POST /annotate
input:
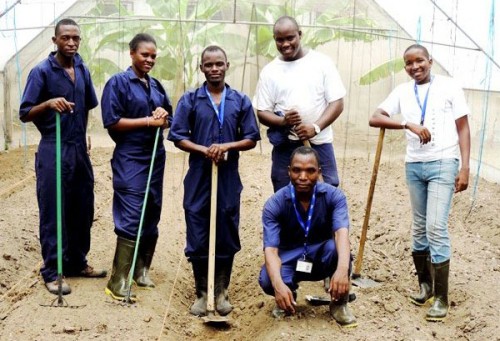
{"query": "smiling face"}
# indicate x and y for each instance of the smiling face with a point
(214, 65)
(143, 58)
(67, 40)
(304, 172)
(287, 38)
(418, 65)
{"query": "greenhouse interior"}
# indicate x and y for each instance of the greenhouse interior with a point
(366, 40)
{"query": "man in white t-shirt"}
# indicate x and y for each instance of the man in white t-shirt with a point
(299, 95)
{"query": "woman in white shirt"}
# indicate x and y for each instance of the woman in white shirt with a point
(435, 120)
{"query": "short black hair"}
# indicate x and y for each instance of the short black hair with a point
(419, 47)
(303, 150)
(286, 18)
(140, 38)
(212, 48)
(66, 21)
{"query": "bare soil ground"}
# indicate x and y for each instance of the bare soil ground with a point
(383, 313)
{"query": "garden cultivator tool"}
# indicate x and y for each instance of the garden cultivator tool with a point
(59, 301)
(128, 299)
(357, 280)
(211, 318)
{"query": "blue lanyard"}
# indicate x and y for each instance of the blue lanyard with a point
(307, 225)
(220, 113)
(423, 108)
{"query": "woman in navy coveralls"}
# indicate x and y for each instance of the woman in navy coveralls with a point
(134, 105)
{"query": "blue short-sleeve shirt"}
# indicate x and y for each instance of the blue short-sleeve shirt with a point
(125, 96)
(48, 80)
(195, 120)
(282, 229)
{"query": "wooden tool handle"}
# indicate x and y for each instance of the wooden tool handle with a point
(364, 230)
(211, 244)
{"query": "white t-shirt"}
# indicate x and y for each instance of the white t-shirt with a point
(307, 84)
(445, 104)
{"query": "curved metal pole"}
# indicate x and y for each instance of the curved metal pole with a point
(141, 222)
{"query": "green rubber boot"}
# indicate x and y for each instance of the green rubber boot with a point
(144, 259)
(422, 262)
(117, 286)
(341, 313)
(223, 270)
(439, 309)
(200, 269)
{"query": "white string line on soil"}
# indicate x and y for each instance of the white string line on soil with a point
(29, 274)
(167, 309)
(17, 184)
(37, 266)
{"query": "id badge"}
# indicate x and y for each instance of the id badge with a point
(304, 266)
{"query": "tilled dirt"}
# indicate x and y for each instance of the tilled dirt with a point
(383, 313)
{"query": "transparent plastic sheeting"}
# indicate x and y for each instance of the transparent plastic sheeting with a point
(365, 38)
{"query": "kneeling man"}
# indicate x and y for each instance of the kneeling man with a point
(306, 238)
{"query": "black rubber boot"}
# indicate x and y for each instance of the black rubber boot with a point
(144, 259)
(422, 262)
(439, 308)
(341, 313)
(200, 269)
(117, 286)
(223, 270)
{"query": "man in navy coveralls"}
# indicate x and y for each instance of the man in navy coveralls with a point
(61, 83)
(213, 123)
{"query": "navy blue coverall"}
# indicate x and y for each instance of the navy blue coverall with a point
(46, 81)
(282, 230)
(196, 120)
(126, 96)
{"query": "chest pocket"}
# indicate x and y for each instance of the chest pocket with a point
(156, 97)
(59, 85)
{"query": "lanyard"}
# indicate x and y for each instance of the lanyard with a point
(307, 225)
(423, 108)
(220, 113)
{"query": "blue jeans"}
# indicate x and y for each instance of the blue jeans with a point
(431, 186)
